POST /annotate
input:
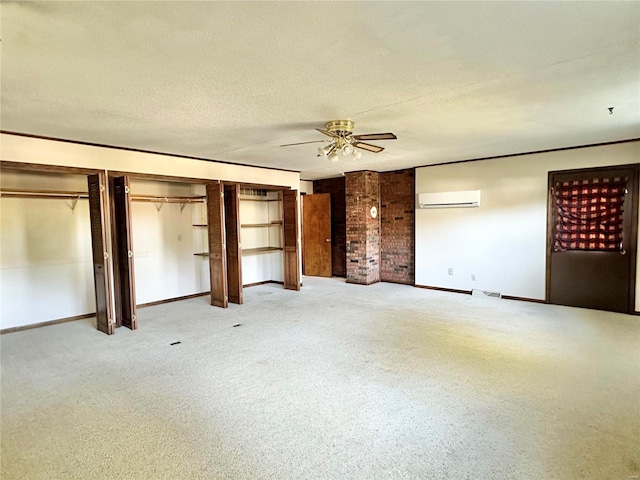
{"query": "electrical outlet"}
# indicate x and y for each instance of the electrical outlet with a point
(473, 277)
(451, 271)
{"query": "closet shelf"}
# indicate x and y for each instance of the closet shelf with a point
(259, 199)
(248, 251)
(256, 251)
(269, 224)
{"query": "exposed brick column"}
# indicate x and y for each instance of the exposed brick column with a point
(363, 231)
(397, 199)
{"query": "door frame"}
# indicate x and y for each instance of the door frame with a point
(631, 247)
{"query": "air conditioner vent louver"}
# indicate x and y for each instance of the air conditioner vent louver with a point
(461, 199)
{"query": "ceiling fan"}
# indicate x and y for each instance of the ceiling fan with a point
(343, 141)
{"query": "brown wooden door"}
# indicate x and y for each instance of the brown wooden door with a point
(291, 239)
(101, 252)
(577, 275)
(124, 277)
(234, 245)
(316, 226)
(217, 247)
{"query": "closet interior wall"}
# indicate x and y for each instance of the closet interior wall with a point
(46, 268)
(169, 240)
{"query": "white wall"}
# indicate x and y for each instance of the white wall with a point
(46, 270)
(502, 243)
(306, 187)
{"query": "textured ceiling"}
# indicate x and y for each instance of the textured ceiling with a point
(233, 80)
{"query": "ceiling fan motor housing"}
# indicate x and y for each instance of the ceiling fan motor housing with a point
(344, 128)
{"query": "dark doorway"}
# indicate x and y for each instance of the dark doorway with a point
(592, 238)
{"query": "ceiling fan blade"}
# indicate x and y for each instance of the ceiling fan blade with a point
(376, 136)
(302, 143)
(368, 147)
(327, 133)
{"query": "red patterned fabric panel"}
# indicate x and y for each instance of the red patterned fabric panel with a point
(590, 214)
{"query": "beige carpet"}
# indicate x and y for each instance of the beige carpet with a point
(337, 381)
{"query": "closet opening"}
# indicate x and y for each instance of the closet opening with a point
(160, 239)
(55, 256)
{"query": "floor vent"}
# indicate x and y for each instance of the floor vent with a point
(485, 293)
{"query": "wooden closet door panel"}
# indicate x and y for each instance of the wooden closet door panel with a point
(217, 247)
(291, 239)
(125, 291)
(234, 244)
(101, 251)
(316, 234)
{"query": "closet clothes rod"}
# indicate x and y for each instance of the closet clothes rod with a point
(46, 194)
(159, 201)
(167, 198)
(70, 195)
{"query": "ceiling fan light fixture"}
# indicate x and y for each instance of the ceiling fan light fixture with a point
(347, 149)
(357, 153)
(324, 151)
(333, 157)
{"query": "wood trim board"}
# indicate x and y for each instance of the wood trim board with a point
(174, 299)
(39, 167)
(47, 323)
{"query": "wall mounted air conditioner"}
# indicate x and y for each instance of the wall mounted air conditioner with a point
(466, 198)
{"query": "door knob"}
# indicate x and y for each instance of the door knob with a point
(327, 239)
